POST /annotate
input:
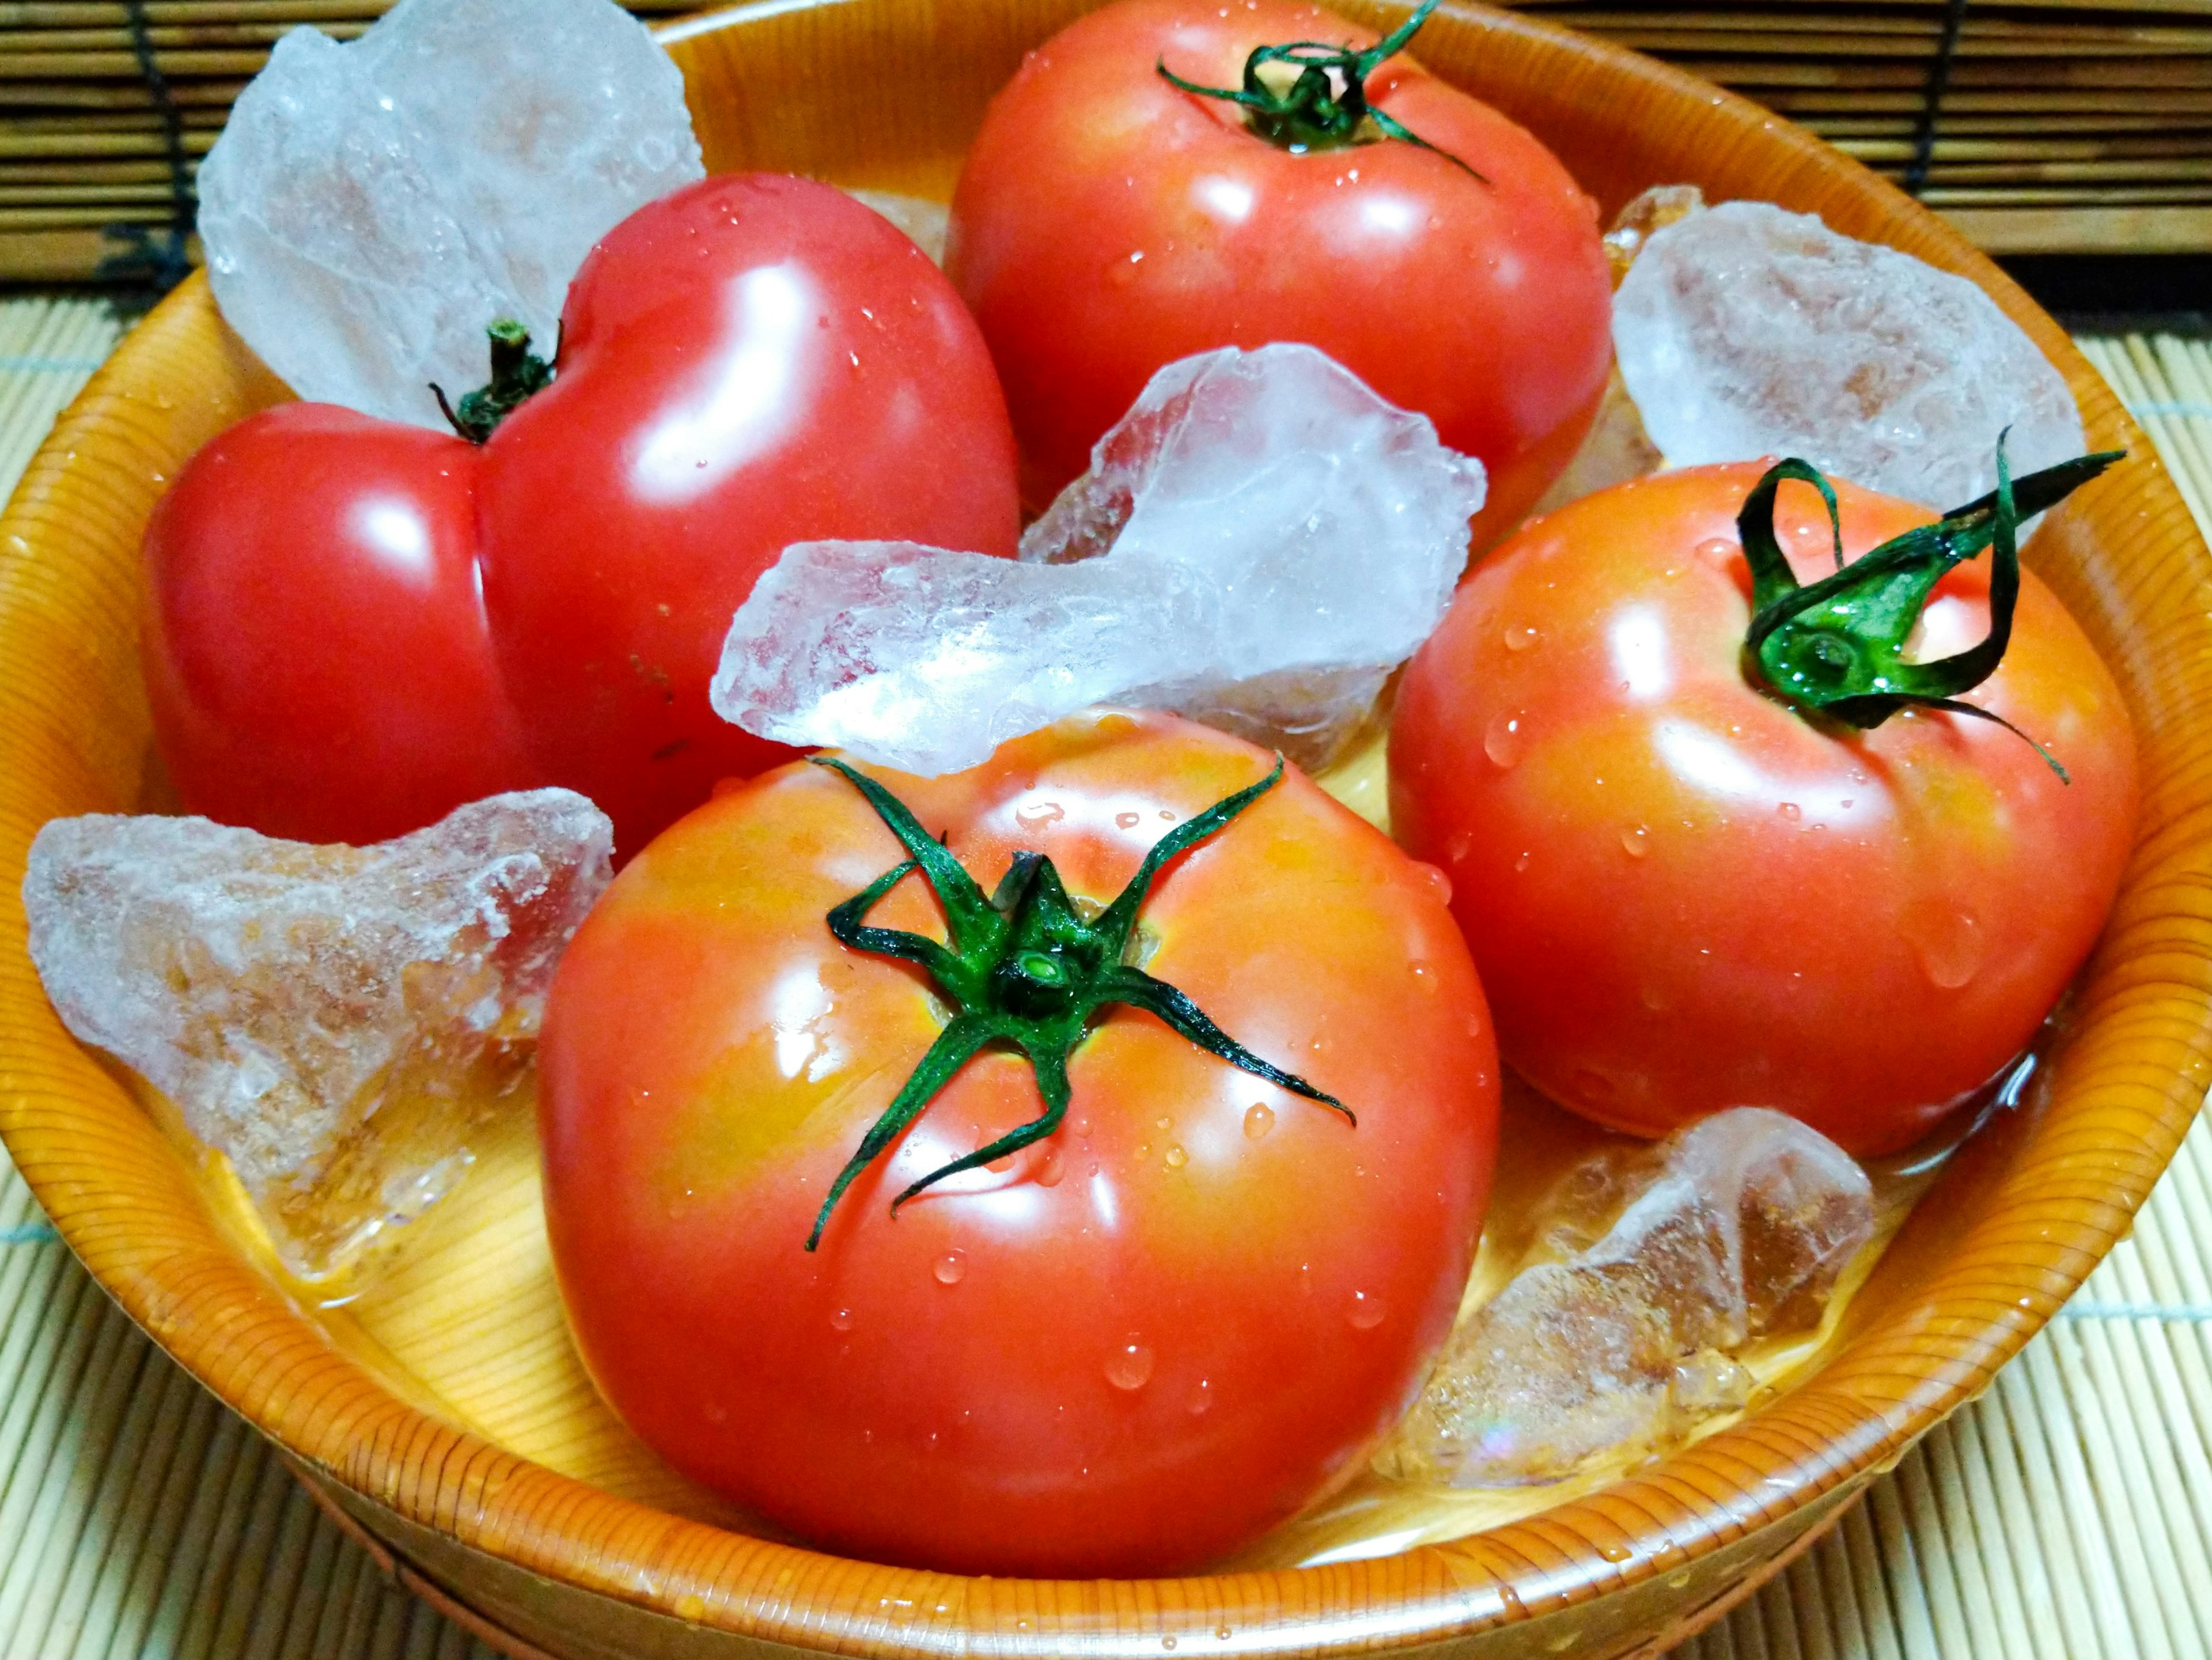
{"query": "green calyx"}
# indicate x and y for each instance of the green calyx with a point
(1837, 646)
(516, 373)
(1025, 969)
(1321, 104)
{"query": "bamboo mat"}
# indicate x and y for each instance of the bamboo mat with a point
(2065, 1515)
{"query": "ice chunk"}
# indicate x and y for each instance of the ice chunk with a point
(371, 207)
(1258, 542)
(1745, 330)
(1653, 211)
(1655, 1268)
(335, 1020)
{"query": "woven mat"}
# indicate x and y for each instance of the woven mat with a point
(2065, 1515)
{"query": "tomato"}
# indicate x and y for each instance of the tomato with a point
(355, 626)
(314, 642)
(747, 363)
(1107, 223)
(1683, 893)
(1128, 1347)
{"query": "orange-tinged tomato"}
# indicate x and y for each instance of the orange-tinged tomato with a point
(1684, 894)
(1128, 1347)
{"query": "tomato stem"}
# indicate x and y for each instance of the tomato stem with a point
(516, 373)
(1023, 969)
(1837, 646)
(1324, 104)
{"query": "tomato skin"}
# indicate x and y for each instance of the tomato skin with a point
(314, 642)
(746, 363)
(935, 1387)
(1683, 894)
(1107, 224)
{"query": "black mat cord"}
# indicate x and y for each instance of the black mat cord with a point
(1931, 104)
(158, 255)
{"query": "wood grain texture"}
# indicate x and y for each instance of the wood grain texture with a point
(887, 92)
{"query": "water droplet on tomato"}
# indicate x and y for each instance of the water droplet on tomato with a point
(1127, 820)
(950, 1268)
(1519, 638)
(1366, 1311)
(1503, 738)
(1948, 939)
(1129, 1363)
(1039, 814)
(1168, 813)
(1259, 1119)
(1050, 1168)
(1201, 1398)
(1636, 840)
(842, 1320)
(1080, 1124)
(1425, 978)
(1520, 863)
(1717, 550)
(1177, 1157)
(1592, 1088)
(1790, 811)
(1439, 884)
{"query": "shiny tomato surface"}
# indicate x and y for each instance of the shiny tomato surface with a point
(1683, 894)
(354, 626)
(314, 642)
(747, 363)
(1107, 223)
(1135, 1344)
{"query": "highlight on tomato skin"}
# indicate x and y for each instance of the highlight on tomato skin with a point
(1685, 894)
(1107, 221)
(1136, 1344)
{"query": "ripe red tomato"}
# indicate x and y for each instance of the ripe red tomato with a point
(314, 640)
(1107, 223)
(354, 626)
(1685, 895)
(1129, 1346)
(747, 363)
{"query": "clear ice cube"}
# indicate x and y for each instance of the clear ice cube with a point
(1653, 1269)
(1259, 542)
(336, 1021)
(1744, 331)
(371, 207)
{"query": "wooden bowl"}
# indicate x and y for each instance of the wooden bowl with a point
(517, 1508)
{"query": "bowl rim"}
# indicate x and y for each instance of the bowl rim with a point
(141, 1234)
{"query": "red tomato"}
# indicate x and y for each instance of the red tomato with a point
(1683, 894)
(1134, 1344)
(747, 363)
(314, 640)
(355, 626)
(1107, 223)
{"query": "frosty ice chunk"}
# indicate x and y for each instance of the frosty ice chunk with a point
(1258, 542)
(1744, 331)
(1655, 1268)
(371, 207)
(335, 1020)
